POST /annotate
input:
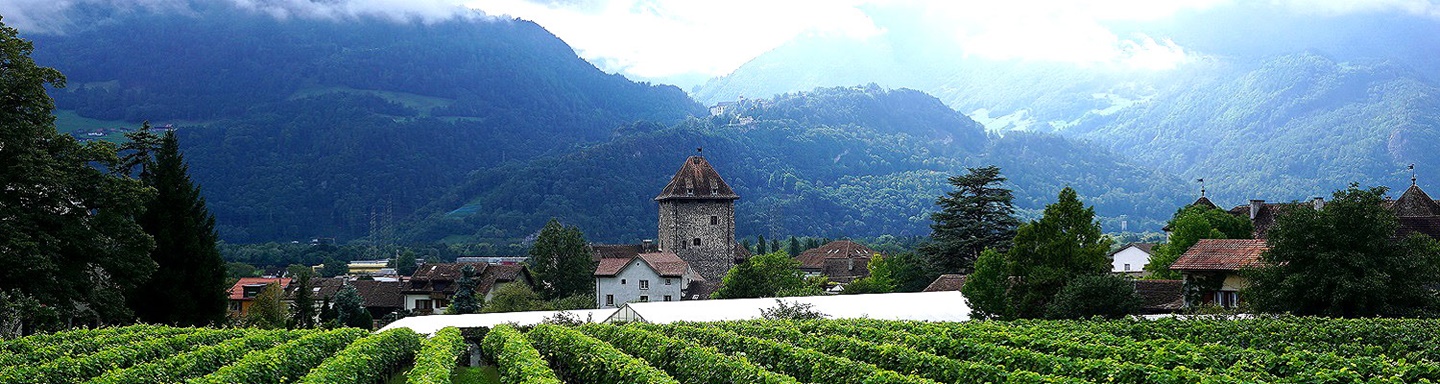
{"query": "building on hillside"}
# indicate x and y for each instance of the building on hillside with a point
(368, 267)
(432, 288)
(947, 282)
(649, 276)
(842, 261)
(1131, 259)
(242, 294)
(1212, 269)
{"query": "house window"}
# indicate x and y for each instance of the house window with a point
(644, 284)
(667, 298)
(609, 300)
(697, 241)
(235, 306)
(423, 304)
(644, 299)
(1127, 267)
(714, 220)
(1227, 299)
(689, 191)
(667, 281)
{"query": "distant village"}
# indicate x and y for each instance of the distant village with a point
(695, 246)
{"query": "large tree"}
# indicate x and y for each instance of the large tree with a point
(302, 308)
(191, 291)
(774, 274)
(1346, 260)
(1047, 255)
(68, 236)
(1189, 225)
(977, 215)
(268, 309)
(561, 262)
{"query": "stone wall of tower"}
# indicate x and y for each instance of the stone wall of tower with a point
(711, 222)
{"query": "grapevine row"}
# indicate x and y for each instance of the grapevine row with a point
(371, 359)
(198, 362)
(803, 364)
(286, 362)
(581, 356)
(437, 357)
(518, 361)
(684, 361)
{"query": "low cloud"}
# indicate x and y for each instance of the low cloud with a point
(56, 16)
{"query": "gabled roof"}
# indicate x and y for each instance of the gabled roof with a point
(499, 274)
(947, 282)
(1204, 202)
(237, 291)
(665, 264)
(1414, 202)
(441, 277)
(1148, 248)
(1221, 255)
(815, 258)
(1265, 217)
(696, 179)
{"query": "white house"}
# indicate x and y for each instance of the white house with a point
(1131, 259)
(653, 276)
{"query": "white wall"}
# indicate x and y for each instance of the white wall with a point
(1130, 255)
(630, 290)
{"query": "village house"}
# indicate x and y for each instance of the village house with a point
(242, 293)
(1211, 269)
(432, 287)
(1131, 259)
(842, 261)
(380, 298)
(650, 276)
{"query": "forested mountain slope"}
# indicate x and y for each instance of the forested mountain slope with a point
(311, 127)
(850, 161)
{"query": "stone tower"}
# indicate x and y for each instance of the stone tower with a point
(697, 219)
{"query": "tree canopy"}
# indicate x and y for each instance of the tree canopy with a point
(773, 274)
(977, 215)
(561, 262)
(1346, 260)
(68, 236)
(1047, 255)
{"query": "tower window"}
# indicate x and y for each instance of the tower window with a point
(697, 241)
(690, 191)
(714, 220)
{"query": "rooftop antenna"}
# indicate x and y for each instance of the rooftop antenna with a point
(1412, 174)
(1202, 186)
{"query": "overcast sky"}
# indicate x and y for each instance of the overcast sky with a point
(674, 39)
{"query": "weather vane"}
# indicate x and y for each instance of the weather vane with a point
(698, 149)
(1412, 174)
(1202, 186)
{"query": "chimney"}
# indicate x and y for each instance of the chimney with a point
(647, 245)
(1255, 207)
(1317, 202)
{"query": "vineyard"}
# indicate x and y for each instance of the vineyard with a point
(1282, 350)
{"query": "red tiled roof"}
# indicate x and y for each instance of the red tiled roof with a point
(947, 282)
(696, 179)
(441, 277)
(237, 291)
(663, 263)
(815, 258)
(1221, 255)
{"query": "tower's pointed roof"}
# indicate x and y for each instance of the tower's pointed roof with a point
(697, 180)
(1414, 202)
(1204, 202)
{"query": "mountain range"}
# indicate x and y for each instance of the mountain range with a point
(480, 128)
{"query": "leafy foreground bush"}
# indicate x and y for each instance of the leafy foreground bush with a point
(682, 359)
(198, 362)
(517, 360)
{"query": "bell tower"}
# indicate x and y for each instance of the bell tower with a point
(697, 219)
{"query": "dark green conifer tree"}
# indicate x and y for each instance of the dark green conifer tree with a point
(465, 301)
(189, 289)
(976, 216)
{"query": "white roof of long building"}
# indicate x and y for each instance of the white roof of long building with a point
(431, 324)
(922, 306)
